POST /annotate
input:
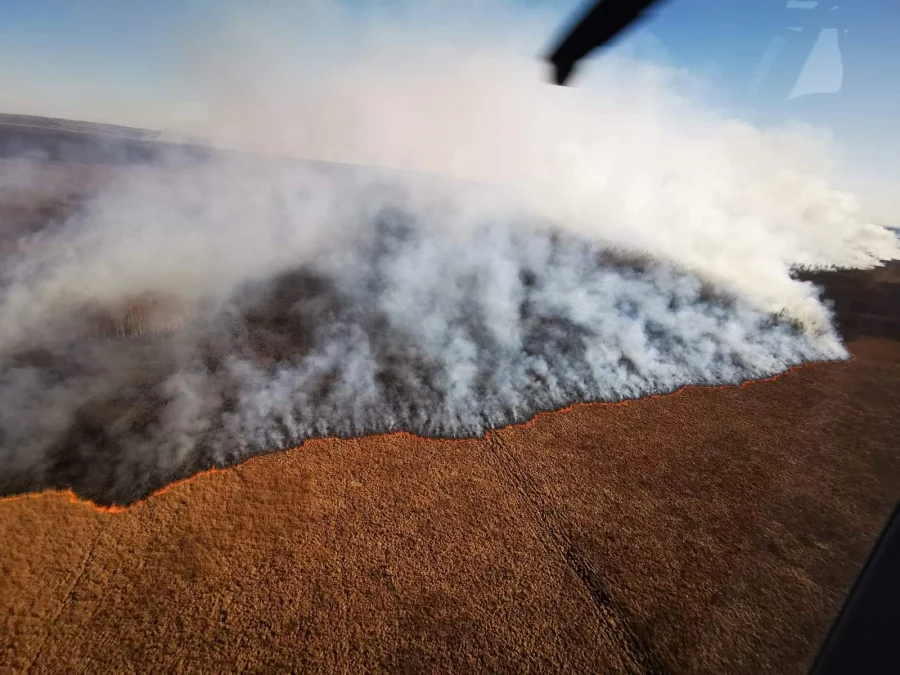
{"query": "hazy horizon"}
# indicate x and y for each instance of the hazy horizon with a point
(166, 66)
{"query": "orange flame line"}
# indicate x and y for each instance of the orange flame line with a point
(75, 499)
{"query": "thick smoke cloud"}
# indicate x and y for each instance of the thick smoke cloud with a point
(408, 324)
(531, 247)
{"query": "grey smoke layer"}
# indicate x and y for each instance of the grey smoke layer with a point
(402, 326)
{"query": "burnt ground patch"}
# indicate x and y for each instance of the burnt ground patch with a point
(865, 302)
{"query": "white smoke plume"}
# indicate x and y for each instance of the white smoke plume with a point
(529, 247)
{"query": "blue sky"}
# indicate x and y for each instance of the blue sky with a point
(129, 42)
(769, 59)
(135, 40)
(835, 65)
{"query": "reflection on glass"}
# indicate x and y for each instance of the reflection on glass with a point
(832, 65)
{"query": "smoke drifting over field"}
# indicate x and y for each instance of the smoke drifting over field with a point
(631, 242)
